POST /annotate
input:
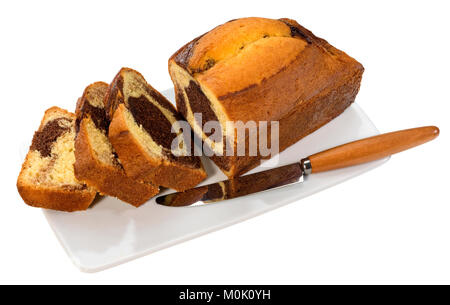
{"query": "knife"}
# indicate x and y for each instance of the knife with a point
(353, 153)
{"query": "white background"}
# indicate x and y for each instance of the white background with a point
(391, 225)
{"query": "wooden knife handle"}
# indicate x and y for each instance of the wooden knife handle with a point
(371, 149)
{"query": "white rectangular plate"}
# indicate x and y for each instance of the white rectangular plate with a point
(112, 232)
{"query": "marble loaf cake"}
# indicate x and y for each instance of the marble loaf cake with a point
(47, 178)
(141, 127)
(96, 162)
(257, 69)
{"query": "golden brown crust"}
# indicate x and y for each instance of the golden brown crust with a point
(141, 166)
(229, 39)
(283, 73)
(67, 199)
(55, 199)
(107, 179)
(303, 120)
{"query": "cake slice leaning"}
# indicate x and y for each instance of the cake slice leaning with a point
(47, 178)
(96, 162)
(141, 133)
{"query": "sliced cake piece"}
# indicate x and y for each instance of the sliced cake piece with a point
(96, 162)
(47, 178)
(141, 134)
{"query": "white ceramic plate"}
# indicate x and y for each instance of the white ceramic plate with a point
(112, 232)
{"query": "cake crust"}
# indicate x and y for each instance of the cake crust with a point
(56, 199)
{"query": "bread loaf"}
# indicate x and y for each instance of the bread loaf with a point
(258, 69)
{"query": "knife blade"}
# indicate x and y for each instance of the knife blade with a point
(353, 153)
(240, 186)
